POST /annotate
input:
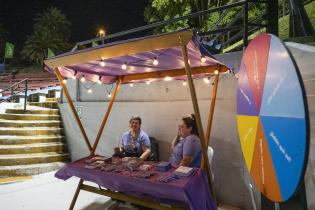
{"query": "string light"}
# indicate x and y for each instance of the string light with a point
(167, 78)
(82, 79)
(64, 81)
(148, 82)
(216, 72)
(124, 66)
(155, 62)
(184, 83)
(131, 84)
(203, 59)
(89, 91)
(206, 80)
(109, 95)
(102, 63)
(74, 77)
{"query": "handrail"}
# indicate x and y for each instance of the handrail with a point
(160, 23)
(12, 91)
(11, 86)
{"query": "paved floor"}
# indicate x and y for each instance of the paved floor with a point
(45, 192)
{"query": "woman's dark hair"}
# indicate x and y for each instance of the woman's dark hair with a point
(135, 118)
(190, 122)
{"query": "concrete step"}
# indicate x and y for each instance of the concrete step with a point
(31, 131)
(33, 111)
(12, 140)
(29, 117)
(27, 170)
(33, 148)
(35, 158)
(52, 105)
(30, 123)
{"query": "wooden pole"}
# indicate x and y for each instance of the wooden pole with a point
(106, 116)
(65, 89)
(211, 111)
(198, 118)
(76, 194)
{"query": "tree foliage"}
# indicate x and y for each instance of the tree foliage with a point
(51, 30)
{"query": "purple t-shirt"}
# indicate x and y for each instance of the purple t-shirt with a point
(189, 146)
(134, 146)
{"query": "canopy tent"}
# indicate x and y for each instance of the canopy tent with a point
(178, 55)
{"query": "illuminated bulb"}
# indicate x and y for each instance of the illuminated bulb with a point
(109, 95)
(203, 59)
(89, 91)
(102, 63)
(206, 80)
(167, 78)
(99, 82)
(216, 72)
(64, 81)
(184, 83)
(124, 66)
(73, 77)
(83, 79)
(131, 85)
(155, 62)
(148, 82)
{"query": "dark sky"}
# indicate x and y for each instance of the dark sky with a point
(86, 16)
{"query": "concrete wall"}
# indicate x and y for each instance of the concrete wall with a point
(161, 105)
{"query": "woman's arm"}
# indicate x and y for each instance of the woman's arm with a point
(186, 161)
(146, 153)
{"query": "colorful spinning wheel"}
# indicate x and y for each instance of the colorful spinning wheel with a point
(272, 118)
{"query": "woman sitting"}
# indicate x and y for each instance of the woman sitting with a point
(186, 146)
(135, 142)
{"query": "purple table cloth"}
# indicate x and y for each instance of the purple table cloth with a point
(192, 190)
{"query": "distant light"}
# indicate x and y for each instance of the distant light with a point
(184, 83)
(102, 63)
(124, 66)
(167, 78)
(155, 62)
(82, 79)
(216, 72)
(203, 59)
(109, 95)
(131, 84)
(206, 80)
(99, 82)
(64, 81)
(89, 91)
(73, 77)
(148, 82)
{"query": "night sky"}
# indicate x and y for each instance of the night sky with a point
(86, 16)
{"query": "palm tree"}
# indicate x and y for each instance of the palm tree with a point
(51, 30)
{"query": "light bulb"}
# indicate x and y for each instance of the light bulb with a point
(155, 62)
(131, 85)
(109, 95)
(206, 80)
(73, 77)
(102, 63)
(184, 83)
(89, 91)
(216, 72)
(148, 82)
(124, 66)
(82, 79)
(167, 78)
(64, 81)
(99, 82)
(203, 59)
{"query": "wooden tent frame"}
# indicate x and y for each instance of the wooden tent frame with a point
(177, 39)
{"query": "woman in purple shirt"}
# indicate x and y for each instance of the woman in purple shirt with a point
(186, 146)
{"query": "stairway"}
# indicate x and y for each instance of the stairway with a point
(31, 142)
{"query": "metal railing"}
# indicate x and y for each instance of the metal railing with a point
(12, 88)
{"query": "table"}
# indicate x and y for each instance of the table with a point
(192, 191)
